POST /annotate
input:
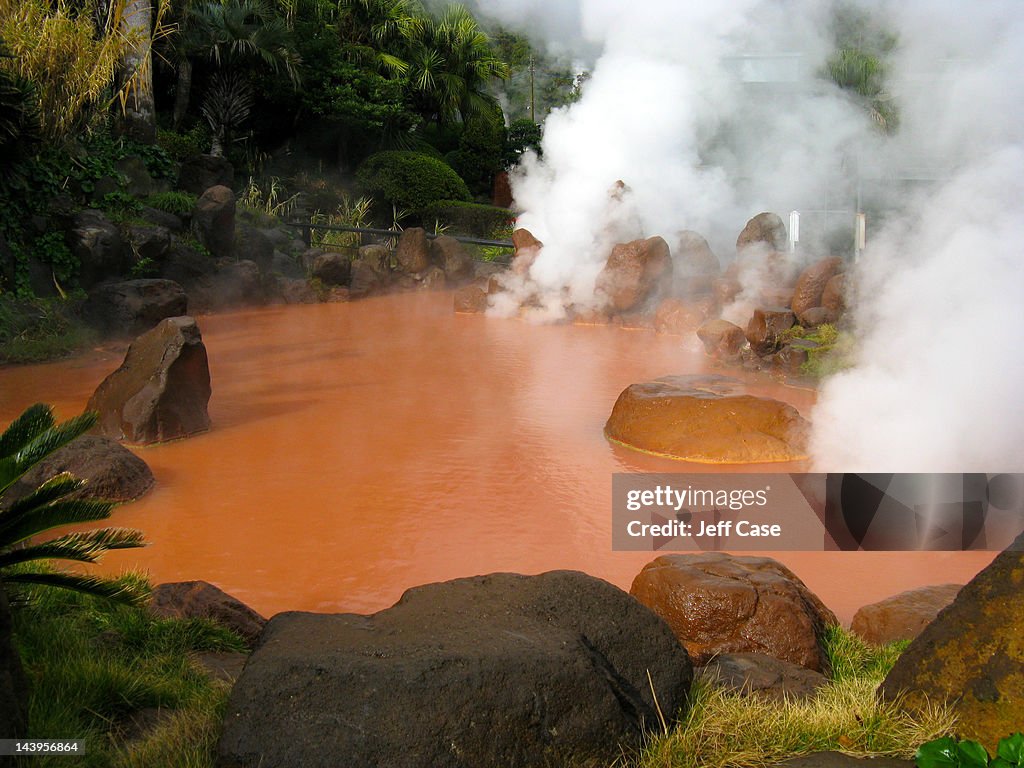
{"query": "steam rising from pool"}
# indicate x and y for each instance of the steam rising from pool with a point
(673, 110)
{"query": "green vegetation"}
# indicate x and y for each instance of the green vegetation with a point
(33, 330)
(100, 671)
(29, 439)
(829, 350)
(947, 752)
(178, 203)
(409, 180)
(725, 730)
(472, 219)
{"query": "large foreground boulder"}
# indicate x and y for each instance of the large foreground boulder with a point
(719, 603)
(902, 616)
(132, 307)
(711, 419)
(111, 472)
(504, 669)
(202, 600)
(162, 388)
(633, 272)
(972, 654)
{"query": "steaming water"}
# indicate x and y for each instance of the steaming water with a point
(361, 449)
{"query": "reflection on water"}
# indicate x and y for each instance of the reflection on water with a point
(360, 449)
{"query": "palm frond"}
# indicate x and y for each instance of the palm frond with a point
(122, 591)
(34, 421)
(55, 488)
(45, 443)
(86, 547)
(14, 530)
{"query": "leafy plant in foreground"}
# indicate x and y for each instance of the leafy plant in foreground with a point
(28, 440)
(947, 752)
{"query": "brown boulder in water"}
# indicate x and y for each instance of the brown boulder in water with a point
(972, 654)
(721, 338)
(766, 326)
(527, 248)
(681, 317)
(471, 299)
(810, 286)
(834, 296)
(162, 388)
(694, 264)
(202, 600)
(451, 256)
(711, 419)
(720, 603)
(766, 230)
(413, 252)
(902, 616)
(633, 271)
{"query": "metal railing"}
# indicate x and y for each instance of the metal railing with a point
(307, 228)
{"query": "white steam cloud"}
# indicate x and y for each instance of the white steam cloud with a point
(711, 113)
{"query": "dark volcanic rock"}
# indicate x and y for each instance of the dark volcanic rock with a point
(97, 243)
(902, 616)
(202, 600)
(973, 653)
(200, 172)
(633, 272)
(709, 419)
(213, 221)
(162, 388)
(253, 244)
(332, 268)
(766, 326)
(413, 251)
(451, 256)
(767, 230)
(493, 670)
(111, 471)
(134, 306)
(755, 674)
(148, 242)
(13, 683)
(720, 603)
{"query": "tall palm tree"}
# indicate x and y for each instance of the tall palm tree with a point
(28, 440)
(451, 64)
(228, 33)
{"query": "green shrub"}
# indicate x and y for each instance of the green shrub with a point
(39, 329)
(947, 752)
(178, 203)
(409, 180)
(181, 146)
(472, 219)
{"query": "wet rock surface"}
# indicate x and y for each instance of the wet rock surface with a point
(755, 674)
(452, 258)
(162, 388)
(902, 616)
(721, 338)
(719, 603)
(202, 600)
(493, 670)
(810, 286)
(132, 307)
(972, 654)
(766, 326)
(471, 299)
(111, 471)
(633, 272)
(709, 419)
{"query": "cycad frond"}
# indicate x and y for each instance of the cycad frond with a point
(32, 522)
(34, 421)
(85, 547)
(119, 590)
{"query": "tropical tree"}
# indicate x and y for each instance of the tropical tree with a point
(450, 66)
(229, 33)
(138, 107)
(28, 440)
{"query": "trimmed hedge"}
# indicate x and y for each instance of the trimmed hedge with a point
(472, 219)
(410, 180)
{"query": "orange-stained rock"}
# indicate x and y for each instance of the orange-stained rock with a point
(815, 316)
(680, 317)
(633, 271)
(972, 654)
(902, 616)
(721, 338)
(527, 247)
(720, 603)
(811, 284)
(766, 326)
(471, 298)
(709, 419)
(725, 289)
(693, 256)
(834, 296)
(765, 230)
(162, 389)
